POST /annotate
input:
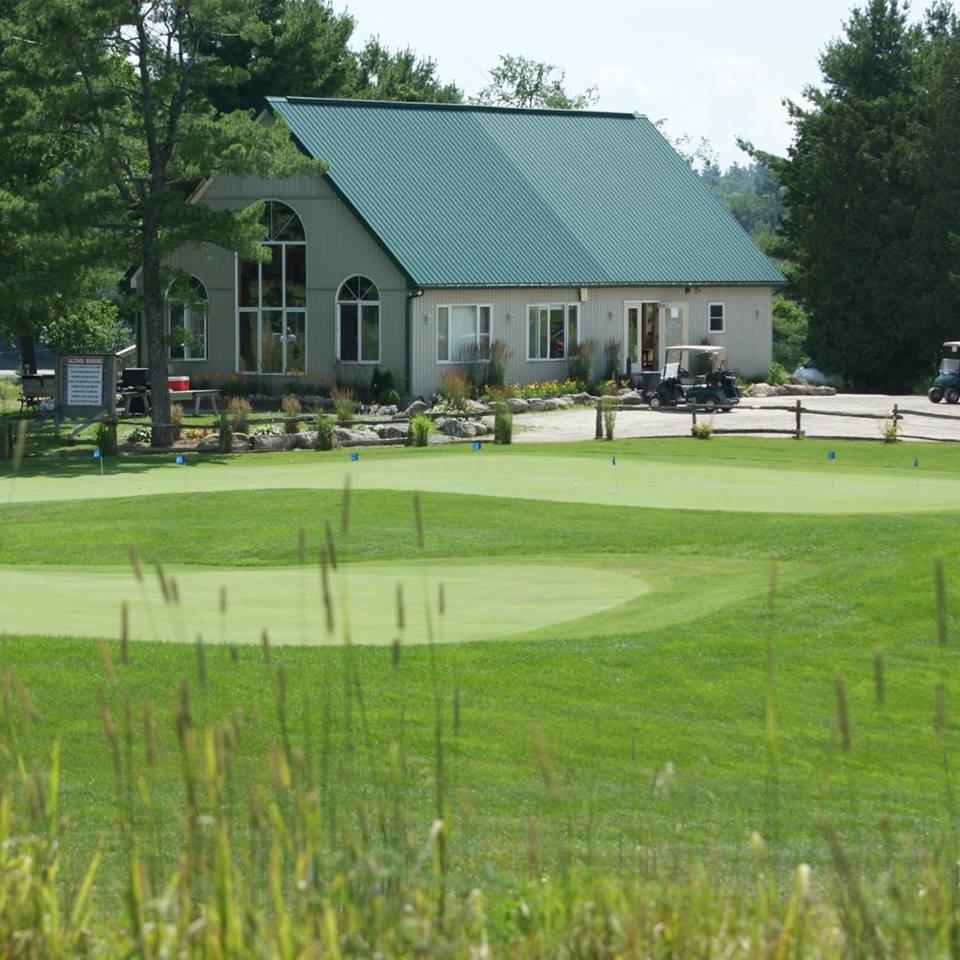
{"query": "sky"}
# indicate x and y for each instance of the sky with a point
(710, 69)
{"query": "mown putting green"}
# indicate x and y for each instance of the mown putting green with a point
(288, 602)
(633, 481)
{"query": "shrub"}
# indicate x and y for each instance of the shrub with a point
(106, 437)
(343, 403)
(889, 430)
(239, 410)
(176, 420)
(291, 407)
(326, 433)
(580, 369)
(607, 388)
(611, 359)
(91, 326)
(609, 405)
(496, 372)
(777, 374)
(140, 435)
(382, 385)
(393, 397)
(502, 423)
(420, 429)
(702, 430)
(455, 388)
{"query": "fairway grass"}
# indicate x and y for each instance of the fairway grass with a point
(632, 477)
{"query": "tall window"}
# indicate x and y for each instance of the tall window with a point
(551, 330)
(273, 298)
(715, 318)
(187, 320)
(358, 321)
(463, 332)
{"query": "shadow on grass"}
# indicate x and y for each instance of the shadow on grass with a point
(78, 464)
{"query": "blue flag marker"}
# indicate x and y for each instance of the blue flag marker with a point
(831, 454)
(476, 444)
(96, 453)
(179, 459)
(354, 456)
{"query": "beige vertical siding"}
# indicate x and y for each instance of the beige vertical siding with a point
(338, 246)
(747, 336)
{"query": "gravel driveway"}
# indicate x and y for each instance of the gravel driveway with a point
(578, 423)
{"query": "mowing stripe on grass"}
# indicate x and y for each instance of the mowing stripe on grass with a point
(630, 482)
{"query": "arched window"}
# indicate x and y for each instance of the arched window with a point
(272, 298)
(187, 320)
(358, 321)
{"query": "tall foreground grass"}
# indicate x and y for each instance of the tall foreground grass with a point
(289, 851)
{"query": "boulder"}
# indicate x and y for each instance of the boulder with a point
(211, 443)
(474, 406)
(346, 435)
(760, 390)
(418, 406)
(306, 439)
(536, 404)
(517, 405)
(389, 431)
(274, 441)
(452, 427)
(582, 397)
(630, 398)
(551, 403)
(564, 403)
(482, 428)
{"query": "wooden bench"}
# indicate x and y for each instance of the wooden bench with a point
(212, 395)
(34, 389)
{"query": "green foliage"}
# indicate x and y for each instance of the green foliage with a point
(608, 405)
(521, 82)
(889, 430)
(343, 403)
(502, 423)
(91, 326)
(382, 74)
(750, 193)
(420, 429)
(789, 333)
(867, 186)
(580, 368)
(225, 434)
(326, 433)
(106, 437)
(382, 386)
(176, 419)
(291, 407)
(239, 410)
(139, 435)
(702, 430)
(611, 359)
(455, 388)
(777, 375)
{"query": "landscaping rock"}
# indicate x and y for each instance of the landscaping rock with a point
(306, 439)
(630, 398)
(564, 403)
(517, 405)
(550, 403)
(211, 443)
(418, 406)
(535, 403)
(274, 441)
(452, 427)
(483, 428)
(583, 397)
(760, 390)
(474, 406)
(390, 432)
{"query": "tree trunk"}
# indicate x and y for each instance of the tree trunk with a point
(154, 327)
(28, 353)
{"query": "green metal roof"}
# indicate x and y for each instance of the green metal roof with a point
(494, 196)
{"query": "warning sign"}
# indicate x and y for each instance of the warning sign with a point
(84, 381)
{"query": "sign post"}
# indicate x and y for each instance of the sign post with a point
(86, 387)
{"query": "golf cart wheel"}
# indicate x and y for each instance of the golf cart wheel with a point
(935, 394)
(726, 409)
(709, 404)
(951, 395)
(655, 402)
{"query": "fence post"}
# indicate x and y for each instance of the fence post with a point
(798, 419)
(599, 433)
(896, 415)
(693, 410)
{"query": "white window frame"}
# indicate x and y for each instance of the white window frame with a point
(188, 308)
(723, 317)
(449, 306)
(259, 309)
(378, 303)
(566, 329)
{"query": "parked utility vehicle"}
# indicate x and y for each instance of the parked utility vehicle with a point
(947, 384)
(695, 375)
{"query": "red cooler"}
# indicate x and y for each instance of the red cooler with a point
(178, 383)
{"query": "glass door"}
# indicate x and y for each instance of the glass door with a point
(673, 325)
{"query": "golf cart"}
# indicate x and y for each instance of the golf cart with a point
(695, 375)
(947, 384)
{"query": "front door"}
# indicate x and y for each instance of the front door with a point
(642, 334)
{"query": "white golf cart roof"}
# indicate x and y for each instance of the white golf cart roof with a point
(953, 345)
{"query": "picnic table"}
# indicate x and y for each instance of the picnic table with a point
(198, 395)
